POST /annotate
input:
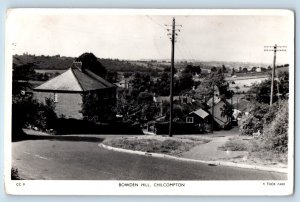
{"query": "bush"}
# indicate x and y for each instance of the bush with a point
(260, 116)
(276, 133)
(15, 174)
(254, 121)
(27, 111)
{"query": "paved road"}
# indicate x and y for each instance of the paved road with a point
(77, 160)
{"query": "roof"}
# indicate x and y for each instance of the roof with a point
(183, 99)
(216, 101)
(201, 113)
(75, 80)
(242, 105)
(164, 98)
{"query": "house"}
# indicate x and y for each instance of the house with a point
(199, 118)
(216, 111)
(258, 69)
(216, 100)
(205, 71)
(123, 84)
(67, 90)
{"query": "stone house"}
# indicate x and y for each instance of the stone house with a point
(68, 88)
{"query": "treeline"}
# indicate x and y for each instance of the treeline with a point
(58, 62)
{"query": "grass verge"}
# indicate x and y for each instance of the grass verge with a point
(257, 153)
(157, 144)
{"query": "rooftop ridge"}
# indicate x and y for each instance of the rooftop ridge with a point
(71, 69)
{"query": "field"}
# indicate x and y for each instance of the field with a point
(243, 84)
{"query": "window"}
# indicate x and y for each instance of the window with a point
(189, 119)
(55, 97)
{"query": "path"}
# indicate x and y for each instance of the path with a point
(210, 151)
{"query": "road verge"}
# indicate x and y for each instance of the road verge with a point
(221, 163)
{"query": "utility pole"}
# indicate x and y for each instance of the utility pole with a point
(274, 48)
(213, 108)
(173, 35)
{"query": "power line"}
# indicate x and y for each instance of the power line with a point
(274, 49)
(150, 18)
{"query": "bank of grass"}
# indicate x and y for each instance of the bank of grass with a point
(257, 152)
(157, 144)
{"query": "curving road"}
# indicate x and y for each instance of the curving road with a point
(77, 160)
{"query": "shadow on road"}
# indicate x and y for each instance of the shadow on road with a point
(58, 138)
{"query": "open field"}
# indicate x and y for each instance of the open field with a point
(243, 84)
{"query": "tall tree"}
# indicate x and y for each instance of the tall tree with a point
(21, 76)
(90, 61)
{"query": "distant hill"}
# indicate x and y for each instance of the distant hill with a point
(44, 62)
(61, 63)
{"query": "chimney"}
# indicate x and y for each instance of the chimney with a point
(78, 65)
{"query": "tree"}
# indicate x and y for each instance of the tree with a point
(185, 82)
(162, 86)
(97, 109)
(262, 91)
(192, 69)
(245, 70)
(28, 111)
(227, 111)
(21, 76)
(213, 69)
(127, 74)
(233, 72)
(253, 69)
(168, 70)
(90, 61)
(224, 70)
(141, 82)
(111, 76)
(263, 69)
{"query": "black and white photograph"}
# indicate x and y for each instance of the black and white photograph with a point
(149, 102)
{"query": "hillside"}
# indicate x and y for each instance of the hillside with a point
(61, 63)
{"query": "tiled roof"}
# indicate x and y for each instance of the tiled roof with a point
(75, 80)
(201, 113)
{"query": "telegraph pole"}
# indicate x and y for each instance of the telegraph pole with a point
(274, 48)
(172, 79)
(173, 35)
(213, 109)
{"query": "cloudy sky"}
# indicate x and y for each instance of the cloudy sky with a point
(202, 37)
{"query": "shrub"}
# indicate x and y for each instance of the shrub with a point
(15, 174)
(28, 111)
(276, 133)
(260, 116)
(255, 120)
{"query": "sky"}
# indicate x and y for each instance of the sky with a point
(219, 37)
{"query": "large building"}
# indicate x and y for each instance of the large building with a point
(67, 90)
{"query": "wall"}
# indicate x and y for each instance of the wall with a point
(68, 104)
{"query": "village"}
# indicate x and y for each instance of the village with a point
(131, 111)
(113, 115)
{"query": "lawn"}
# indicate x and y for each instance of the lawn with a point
(158, 144)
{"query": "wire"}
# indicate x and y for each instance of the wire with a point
(150, 18)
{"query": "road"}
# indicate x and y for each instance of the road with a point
(78, 160)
